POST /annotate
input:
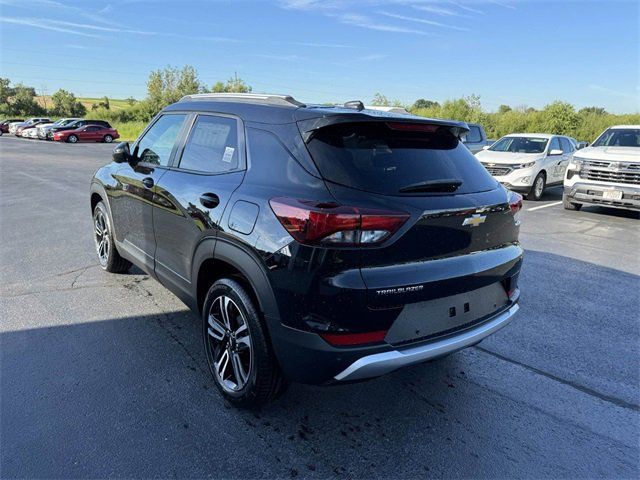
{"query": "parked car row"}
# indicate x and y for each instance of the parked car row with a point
(605, 173)
(71, 130)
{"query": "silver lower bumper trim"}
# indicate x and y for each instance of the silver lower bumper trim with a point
(381, 363)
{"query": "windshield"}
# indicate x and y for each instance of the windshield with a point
(520, 145)
(619, 137)
(397, 158)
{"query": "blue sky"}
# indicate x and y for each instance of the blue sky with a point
(507, 51)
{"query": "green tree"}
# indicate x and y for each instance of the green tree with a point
(504, 109)
(466, 109)
(234, 85)
(65, 104)
(6, 91)
(592, 110)
(24, 101)
(168, 85)
(380, 100)
(559, 117)
(423, 103)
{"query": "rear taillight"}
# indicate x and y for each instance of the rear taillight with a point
(515, 205)
(316, 223)
(350, 339)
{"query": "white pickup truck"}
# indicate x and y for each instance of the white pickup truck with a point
(606, 173)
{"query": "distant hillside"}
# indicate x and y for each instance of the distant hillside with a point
(115, 104)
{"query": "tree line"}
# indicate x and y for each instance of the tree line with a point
(557, 117)
(168, 85)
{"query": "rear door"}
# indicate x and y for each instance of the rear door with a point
(192, 195)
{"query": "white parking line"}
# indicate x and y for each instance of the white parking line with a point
(544, 206)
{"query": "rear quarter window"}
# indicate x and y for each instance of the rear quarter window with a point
(374, 157)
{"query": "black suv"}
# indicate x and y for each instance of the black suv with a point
(75, 125)
(319, 244)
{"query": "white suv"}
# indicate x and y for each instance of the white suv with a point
(528, 162)
(606, 173)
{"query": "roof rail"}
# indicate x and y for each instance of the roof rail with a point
(284, 100)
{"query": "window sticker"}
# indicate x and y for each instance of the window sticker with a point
(228, 154)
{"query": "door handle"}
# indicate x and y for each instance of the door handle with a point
(209, 200)
(147, 182)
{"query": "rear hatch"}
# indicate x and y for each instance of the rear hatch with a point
(461, 233)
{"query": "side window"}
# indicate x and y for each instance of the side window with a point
(567, 147)
(474, 135)
(156, 145)
(554, 145)
(212, 145)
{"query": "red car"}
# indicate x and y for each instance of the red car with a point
(88, 133)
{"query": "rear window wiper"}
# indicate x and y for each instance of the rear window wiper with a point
(441, 185)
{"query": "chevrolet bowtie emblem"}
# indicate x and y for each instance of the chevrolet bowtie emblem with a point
(474, 220)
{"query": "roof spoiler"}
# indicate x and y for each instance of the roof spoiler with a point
(310, 126)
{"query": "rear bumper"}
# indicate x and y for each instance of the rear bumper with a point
(306, 358)
(382, 363)
(585, 192)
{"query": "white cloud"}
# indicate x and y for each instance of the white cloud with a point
(371, 58)
(45, 24)
(438, 10)
(320, 45)
(367, 22)
(423, 21)
(286, 58)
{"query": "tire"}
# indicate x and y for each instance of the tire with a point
(238, 351)
(570, 205)
(108, 256)
(72, 139)
(537, 189)
(107, 139)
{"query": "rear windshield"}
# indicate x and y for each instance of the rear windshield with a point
(386, 158)
(619, 137)
(520, 145)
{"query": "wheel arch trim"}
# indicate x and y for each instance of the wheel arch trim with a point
(246, 262)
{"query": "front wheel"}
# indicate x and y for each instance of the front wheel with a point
(538, 187)
(109, 258)
(238, 351)
(108, 139)
(72, 139)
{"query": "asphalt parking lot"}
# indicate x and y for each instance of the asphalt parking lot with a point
(104, 375)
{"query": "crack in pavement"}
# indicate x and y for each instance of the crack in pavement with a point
(80, 273)
(589, 391)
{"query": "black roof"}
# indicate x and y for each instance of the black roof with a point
(280, 109)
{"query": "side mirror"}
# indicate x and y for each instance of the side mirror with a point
(486, 147)
(121, 153)
(555, 151)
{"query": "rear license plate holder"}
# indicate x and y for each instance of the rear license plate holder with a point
(441, 315)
